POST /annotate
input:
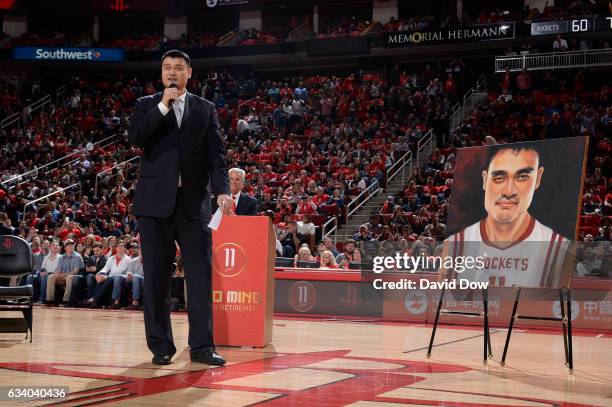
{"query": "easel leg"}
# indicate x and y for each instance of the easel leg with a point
(564, 325)
(569, 331)
(487, 344)
(516, 300)
(433, 332)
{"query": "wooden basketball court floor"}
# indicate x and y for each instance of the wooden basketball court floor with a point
(103, 359)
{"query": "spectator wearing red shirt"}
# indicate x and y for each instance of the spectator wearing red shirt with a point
(523, 82)
(70, 228)
(320, 198)
(430, 188)
(607, 204)
(293, 165)
(306, 206)
(450, 87)
(102, 209)
(389, 206)
(284, 208)
(506, 80)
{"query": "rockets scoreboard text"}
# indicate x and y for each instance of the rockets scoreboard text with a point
(575, 25)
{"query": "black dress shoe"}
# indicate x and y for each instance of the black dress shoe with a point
(162, 359)
(210, 357)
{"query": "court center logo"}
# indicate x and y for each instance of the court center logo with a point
(302, 296)
(416, 302)
(229, 260)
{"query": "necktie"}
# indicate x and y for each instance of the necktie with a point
(234, 203)
(177, 105)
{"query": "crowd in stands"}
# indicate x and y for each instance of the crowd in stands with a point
(415, 23)
(146, 39)
(202, 38)
(345, 27)
(10, 101)
(557, 10)
(520, 108)
(254, 37)
(55, 38)
(309, 145)
(17, 94)
(560, 10)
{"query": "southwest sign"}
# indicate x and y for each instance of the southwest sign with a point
(69, 54)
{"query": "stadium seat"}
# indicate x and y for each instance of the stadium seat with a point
(331, 210)
(318, 220)
(15, 262)
(588, 230)
(283, 262)
(602, 192)
(590, 220)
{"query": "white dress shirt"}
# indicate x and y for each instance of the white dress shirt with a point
(111, 268)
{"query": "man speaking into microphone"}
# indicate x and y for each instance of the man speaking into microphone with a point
(183, 152)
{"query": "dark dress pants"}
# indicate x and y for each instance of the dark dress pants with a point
(158, 253)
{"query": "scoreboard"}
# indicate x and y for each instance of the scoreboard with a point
(576, 25)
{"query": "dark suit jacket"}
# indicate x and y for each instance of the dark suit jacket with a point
(247, 205)
(195, 149)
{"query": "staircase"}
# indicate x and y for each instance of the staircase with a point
(397, 179)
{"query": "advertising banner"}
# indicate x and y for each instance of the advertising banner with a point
(473, 33)
(65, 54)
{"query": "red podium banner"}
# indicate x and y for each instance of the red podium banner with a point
(243, 281)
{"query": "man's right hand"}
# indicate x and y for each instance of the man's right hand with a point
(100, 278)
(169, 95)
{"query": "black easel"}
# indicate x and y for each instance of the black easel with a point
(487, 354)
(566, 323)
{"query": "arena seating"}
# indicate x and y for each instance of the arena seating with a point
(309, 145)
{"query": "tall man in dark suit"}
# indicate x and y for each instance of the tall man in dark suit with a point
(242, 204)
(183, 152)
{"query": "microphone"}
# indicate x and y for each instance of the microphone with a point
(172, 85)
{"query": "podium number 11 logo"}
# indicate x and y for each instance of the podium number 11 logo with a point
(230, 257)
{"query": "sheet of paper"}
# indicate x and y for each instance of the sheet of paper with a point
(216, 220)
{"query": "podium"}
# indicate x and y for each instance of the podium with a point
(243, 281)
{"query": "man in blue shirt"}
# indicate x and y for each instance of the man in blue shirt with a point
(67, 269)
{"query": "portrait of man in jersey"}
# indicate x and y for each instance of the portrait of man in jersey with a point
(517, 206)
